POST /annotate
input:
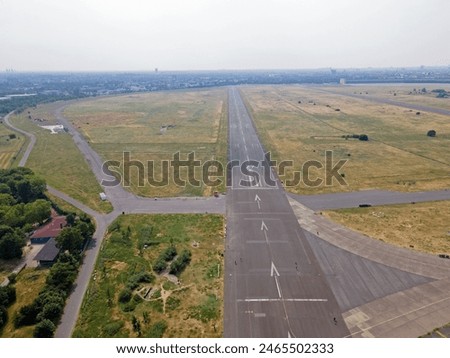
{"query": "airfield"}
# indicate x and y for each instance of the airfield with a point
(288, 270)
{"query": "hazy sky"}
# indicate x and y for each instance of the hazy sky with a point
(222, 34)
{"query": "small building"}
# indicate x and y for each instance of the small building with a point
(48, 254)
(48, 231)
(103, 196)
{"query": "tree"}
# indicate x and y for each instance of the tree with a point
(70, 239)
(70, 218)
(44, 329)
(11, 246)
(6, 199)
(62, 275)
(180, 262)
(37, 211)
(3, 316)
(431, 133)
(51, 311)
(4, 189)
(363, 137)
(15, 216)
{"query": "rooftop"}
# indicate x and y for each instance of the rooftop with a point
(49, 252)
(50, 229)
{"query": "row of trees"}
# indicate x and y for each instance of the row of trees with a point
(178, 264)
(22, 204)
(7, 298)
(46, 310)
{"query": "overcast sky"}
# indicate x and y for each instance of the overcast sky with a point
(135, 35)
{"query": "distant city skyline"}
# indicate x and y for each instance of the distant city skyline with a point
(180, 35)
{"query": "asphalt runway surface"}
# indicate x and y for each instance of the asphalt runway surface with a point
(274, 285)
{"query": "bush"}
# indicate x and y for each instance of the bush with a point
(138, 278)
(7, 295)
(44, 329)
(12, 278)
(51, 311)
(26, 315)
(111, 329)
(181, 262)
(431, 133)
(3, 316)
(159, 266)
(125, 295)
(363, 137)
(157, 330)
(169, 253)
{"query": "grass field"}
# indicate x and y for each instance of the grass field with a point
(56, 158)
(401, 93)
(29, 283)
(300, 123)
(422, 226)
(9, 147)
(192, 308)
(153, 127)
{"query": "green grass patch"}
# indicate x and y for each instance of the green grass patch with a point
(125, 285)
(56, 158)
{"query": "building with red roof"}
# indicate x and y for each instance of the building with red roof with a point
(48, 231)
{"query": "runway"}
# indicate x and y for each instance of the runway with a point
(274, 285)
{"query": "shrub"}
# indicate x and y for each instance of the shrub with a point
(3, 316)
(51, 311)
(180, 263)
(169, 253)
(363, 137)
(125, 295)
(111, 329)
(157, 330)
(26, 315)
(44, 329)
(159, 266)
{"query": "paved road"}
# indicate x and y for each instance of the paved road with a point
(122, 201)
(385, 290)
(372, 197)
(31, 143)
(274, 286)
(276, 270)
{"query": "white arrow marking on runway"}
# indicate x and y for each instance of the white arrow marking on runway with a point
(273, 270)
(264, 226)
(258, 201)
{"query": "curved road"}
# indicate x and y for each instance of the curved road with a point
(122, 201)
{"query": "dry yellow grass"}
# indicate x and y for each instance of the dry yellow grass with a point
(398, 156)
(9, 148)
(132, 123)
(29, 283)
(423, 226)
